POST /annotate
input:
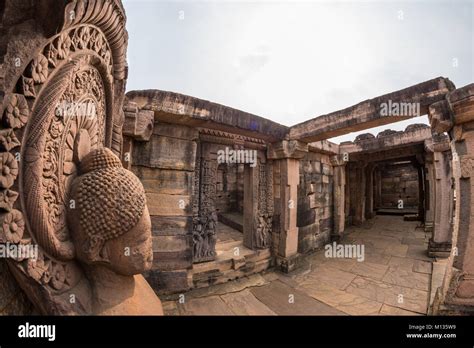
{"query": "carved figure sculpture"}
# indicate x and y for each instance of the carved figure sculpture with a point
(111, 230)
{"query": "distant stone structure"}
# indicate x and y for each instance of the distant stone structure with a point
(70, 140)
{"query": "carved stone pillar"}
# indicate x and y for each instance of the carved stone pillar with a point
(440, 243)
(287, 155)
(429, 190)
(204, 212)
(258, 205)
(339, 196)
(456, 116)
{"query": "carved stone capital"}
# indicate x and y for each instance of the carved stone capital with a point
(339, 160)
(138, 123)
(462, 103)
(440, 116)
(287, 149)
(441, 143)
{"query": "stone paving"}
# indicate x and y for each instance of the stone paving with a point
(393, 279)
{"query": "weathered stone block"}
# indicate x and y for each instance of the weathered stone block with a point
(171, 225)
(165, 181)
(168, 205)
(175, 131)
(166, 153)
(306, 217)
(168, 281)
(172, 260)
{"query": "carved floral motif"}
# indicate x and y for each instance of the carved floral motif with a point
(63, 45)
(8, 169)
(7, 198)
(16, 111)
(13, 226)
(39, 69)
(28, 87)
(8, 140)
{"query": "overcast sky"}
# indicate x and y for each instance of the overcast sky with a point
(290, 62)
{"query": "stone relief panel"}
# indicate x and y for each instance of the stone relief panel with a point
(204, 213)
(264, 216)
(65, 104)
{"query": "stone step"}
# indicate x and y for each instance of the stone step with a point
(234, 220)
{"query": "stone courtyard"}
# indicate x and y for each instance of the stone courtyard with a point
(394, 279)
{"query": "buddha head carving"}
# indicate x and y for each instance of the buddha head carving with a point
(109, 220)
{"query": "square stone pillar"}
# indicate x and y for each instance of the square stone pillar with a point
(378, 187)
(250, 205)
(358, 202)
(287, 155)
(339, 196)
(456, 116)
(440, 242)
(421, 189)
(369, 197)
(429, 190)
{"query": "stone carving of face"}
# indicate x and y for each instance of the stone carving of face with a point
(108, 217)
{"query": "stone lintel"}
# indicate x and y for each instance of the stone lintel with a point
(324, 146)
(178, 108)
(367, 114)
(287, 149)
(393, 141)
(400, 153)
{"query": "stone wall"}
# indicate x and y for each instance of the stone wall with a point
(399, 182)
(315, 218)
(165, 165)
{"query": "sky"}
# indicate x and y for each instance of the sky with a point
(293, 61)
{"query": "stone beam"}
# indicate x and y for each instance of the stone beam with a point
(287, 149)
(408, 151)
(325, 147)
(400, 139)
(367, 114)
(177, 108)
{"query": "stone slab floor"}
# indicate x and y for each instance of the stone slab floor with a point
(393, 279)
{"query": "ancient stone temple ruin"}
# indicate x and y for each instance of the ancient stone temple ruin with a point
(197, 193)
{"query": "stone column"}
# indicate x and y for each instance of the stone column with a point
(378, 187)
(440, 243)
(456, 116)
(369, 197)
(421, 191)
(339, 196)
(250, 204)
(287, 155)
(429, 189)
(359, 199)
